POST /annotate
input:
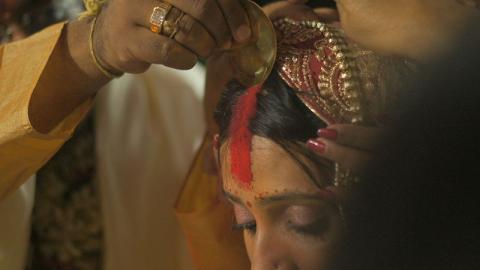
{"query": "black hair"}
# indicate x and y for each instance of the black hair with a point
(280, 116)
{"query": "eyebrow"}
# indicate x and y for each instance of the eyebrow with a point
(232, 197)
(323, 195)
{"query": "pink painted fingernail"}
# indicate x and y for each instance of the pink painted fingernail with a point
(327, 133)
(316, 146)
(243, 33)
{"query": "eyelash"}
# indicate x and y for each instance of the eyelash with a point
(250, 227)
(315, 229)
(312, 230)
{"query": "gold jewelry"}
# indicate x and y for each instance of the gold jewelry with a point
(314, 58)
(170, 28)
(105, 71)
(158, 16)
(338, 81)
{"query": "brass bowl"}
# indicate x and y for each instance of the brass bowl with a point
(253, 62)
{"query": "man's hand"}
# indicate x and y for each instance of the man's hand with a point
(125, 43)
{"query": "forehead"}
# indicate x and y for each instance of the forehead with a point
(274, 171)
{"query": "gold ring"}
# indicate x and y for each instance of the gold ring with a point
(170, 25)
(158, 16)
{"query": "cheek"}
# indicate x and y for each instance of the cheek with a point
(249, 244)
(310, 255)
(317, 253)
(312, 258)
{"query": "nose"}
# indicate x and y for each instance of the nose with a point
(270, 252)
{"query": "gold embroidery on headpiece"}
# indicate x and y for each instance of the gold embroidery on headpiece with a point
(337, 80)
(315, 60)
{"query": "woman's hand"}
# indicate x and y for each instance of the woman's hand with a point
(124, 42)
(351, 146)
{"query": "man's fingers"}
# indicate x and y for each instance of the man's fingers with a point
(209, 14)
(159, 49)
(237, 19)
(194, 36)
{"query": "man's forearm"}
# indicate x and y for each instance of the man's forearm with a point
(69, 79)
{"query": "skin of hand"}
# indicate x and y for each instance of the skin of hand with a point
(416, 29)
(123, 42)
(351, 146)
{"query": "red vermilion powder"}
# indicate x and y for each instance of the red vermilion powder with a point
(241, 136)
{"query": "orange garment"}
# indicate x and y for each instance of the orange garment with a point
(23, 150)
(207, 221)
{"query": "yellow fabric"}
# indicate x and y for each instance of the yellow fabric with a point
(207, 220)
(23, 150)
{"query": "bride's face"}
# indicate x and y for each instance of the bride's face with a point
(288, 222)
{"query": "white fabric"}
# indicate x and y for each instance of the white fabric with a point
(15, 221)
(148, 129)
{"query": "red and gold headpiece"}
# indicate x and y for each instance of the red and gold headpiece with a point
(314, 59)
(337, 81)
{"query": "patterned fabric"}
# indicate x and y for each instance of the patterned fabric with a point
(66, 223)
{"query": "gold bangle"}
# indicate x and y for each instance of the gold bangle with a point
(105, 71)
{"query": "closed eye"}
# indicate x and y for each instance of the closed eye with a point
(250, 227)
(317, 228)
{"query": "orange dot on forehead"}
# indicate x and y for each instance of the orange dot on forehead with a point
(249, 204)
